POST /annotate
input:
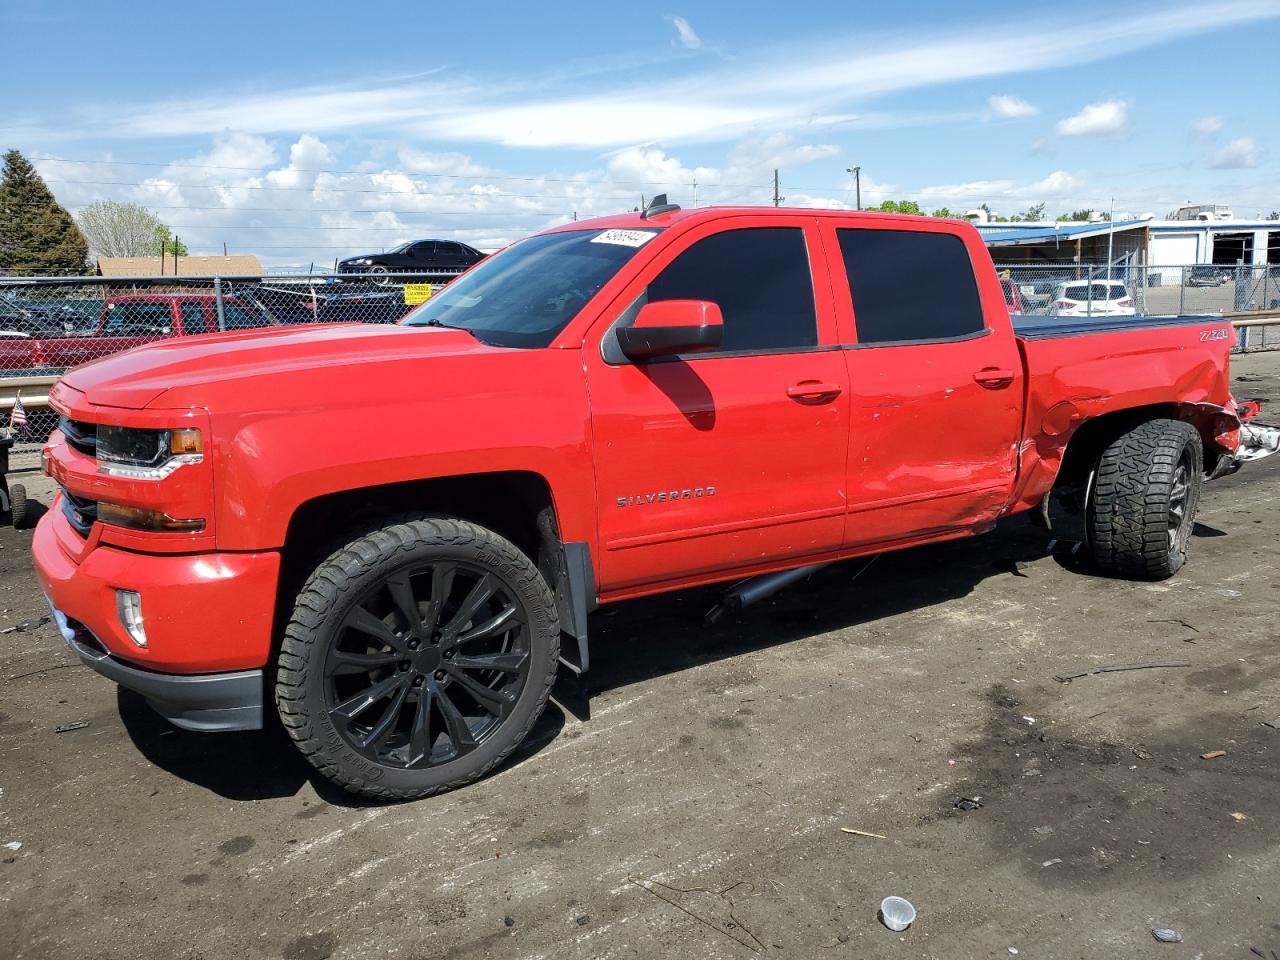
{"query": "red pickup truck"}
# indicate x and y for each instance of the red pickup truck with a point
(130, 321)
(385, 530)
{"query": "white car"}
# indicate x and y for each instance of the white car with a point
(1108, 298)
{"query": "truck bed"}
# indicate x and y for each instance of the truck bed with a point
(1039, 327)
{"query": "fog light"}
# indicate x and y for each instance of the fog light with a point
(129, 608)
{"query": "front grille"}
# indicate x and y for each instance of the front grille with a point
(80, 436)
(81, 514)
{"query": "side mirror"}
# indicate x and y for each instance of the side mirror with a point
(669, 327)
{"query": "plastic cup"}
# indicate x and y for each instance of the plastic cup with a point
(896, 913)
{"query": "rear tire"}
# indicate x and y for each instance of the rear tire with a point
(417, 658)
(1142, 506)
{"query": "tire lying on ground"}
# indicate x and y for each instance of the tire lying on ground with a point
(19, 506)
(417, 658)
(1142, 506)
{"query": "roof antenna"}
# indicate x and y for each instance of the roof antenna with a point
(658, 205)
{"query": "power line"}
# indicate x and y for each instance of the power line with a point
(372, 173)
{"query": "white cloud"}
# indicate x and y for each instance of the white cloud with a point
(1005, 107)
(685, 34)
(1107, 118)
(302, 211)
(1239, 153)
(1053, 188)
(779, 88)
(1205, 128)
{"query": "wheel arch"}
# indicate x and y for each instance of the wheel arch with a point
(519, 505)
(1096, 434)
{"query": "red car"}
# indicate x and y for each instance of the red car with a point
(134, 319)
(384, 532)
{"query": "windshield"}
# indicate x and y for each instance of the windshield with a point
(525, 295)
(403, 248)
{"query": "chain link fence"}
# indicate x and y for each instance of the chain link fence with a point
(48, 325)
(1153, 290)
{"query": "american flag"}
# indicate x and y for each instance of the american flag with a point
(18, 417)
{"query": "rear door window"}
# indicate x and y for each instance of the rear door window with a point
(239, 317)
(910, 286)
(760, 279)
(193, 318)
(137, 318)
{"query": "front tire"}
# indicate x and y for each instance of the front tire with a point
(1142, 506)
(417, 658)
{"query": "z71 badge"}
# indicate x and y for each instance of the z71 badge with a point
(666, 496)
(1218, 333)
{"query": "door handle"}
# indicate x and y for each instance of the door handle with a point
(813, 390)
(993, 378)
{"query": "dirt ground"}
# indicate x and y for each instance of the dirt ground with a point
(697, 812)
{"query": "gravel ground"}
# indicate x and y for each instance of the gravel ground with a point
(689, 803)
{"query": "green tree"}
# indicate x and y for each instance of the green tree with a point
(1081, 216)
(898, 206)
(124, 230)
(1274, 215)
(37, 235)
(172, 243)
(1032, 214)
(942, 212)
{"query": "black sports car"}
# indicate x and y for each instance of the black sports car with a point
(416, 256)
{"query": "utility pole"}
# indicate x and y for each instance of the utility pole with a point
(695, 194)
(857, 183)
(1111, 227)
(175, 254)
(777, 199)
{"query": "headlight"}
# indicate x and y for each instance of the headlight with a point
(139, 454)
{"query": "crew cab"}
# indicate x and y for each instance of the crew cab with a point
(132, 320)
(386, 532)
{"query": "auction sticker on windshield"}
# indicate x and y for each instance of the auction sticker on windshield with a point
(626, 238)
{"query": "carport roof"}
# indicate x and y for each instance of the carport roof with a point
(1003, 235)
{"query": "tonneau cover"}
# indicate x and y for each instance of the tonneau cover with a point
(1038, 327)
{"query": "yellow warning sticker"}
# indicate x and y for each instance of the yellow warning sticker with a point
(416, 293)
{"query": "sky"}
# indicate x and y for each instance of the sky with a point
(303, 133)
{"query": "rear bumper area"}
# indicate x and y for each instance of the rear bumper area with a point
(1256, 442)
(210, 702)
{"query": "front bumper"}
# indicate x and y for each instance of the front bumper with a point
(208, 621)
(203, 612)
(211, 702)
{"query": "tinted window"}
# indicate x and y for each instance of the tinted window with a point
(910, 286)
(1100, 291)
(193, 318)
(238, 317)
(759, 278)
(134, 318)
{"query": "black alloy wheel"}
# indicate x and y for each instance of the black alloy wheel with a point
(427, 664)
(417, 657)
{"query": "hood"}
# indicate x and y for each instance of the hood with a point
(141, 377)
